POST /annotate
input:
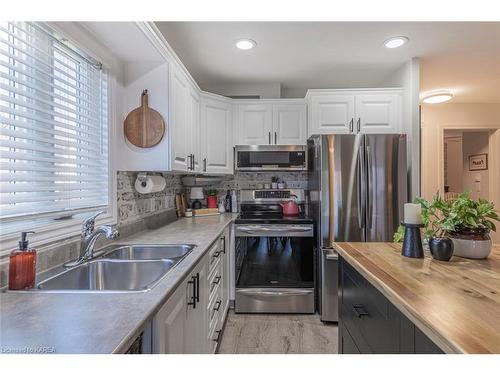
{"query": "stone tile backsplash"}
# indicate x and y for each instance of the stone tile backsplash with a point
(133, 206)
(249, 180)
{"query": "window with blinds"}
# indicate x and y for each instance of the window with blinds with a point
(54, 126)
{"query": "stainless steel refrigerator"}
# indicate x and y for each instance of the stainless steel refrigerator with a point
(357, 188)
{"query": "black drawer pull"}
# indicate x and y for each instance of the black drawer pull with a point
(216, 308)
(223, 239)
(193, 298)
(217, 280)
(218, 335)
(360, 310)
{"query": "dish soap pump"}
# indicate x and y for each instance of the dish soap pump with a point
(22, 265)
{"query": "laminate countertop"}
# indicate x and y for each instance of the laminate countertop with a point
(456, 303)
(66, 322)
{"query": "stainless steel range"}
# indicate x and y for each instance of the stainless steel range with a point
(274, 254)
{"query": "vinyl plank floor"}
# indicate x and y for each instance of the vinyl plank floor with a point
(278, 334)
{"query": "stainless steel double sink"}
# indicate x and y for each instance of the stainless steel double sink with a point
(119, 268)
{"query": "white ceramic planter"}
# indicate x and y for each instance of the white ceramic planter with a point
(473, 249)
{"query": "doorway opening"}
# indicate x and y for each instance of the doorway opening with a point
(465, 162)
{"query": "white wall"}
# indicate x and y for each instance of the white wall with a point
(451, 116)
(408, 78)
(435, 118)
(263, 90)
(136, 79)
(475, 143)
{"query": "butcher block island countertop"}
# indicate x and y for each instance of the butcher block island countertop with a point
(456, 303)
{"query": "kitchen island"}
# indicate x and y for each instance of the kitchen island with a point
(389, 303)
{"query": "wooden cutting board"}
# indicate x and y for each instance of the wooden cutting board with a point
(206, 212)
(178, 205)
(144, 127)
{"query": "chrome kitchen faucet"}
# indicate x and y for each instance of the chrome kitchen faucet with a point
(89, 237)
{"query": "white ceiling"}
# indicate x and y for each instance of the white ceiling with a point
(462, 56)
(124, 40)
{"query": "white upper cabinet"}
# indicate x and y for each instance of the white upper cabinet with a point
(255, 124)
(332, 113)
(289, 124)
(378, 113)
(271, 123)
(354, 111)
(216, 135)
(179, 94)
(194, 133)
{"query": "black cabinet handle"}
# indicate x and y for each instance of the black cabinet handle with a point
(269, 136)
(216, 308)
(351, 125)
(275, 138)
(204, 164)
(197, 287)
(223, 239)
(192, 162)
(218, 335)
(359, 124)
(193, 298)
(217, 280)
(360, 311)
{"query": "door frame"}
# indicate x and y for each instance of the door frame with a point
(493, 160)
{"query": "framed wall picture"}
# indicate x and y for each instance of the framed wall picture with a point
(478, 162)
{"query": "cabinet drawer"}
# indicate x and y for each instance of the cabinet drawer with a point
(214, 332)
(370, 318)
(214, 310)
(214, 255)
(215, 280)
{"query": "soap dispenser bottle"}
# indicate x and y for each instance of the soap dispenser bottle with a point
(22, 265)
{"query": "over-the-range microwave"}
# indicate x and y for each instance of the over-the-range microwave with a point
(270, 158)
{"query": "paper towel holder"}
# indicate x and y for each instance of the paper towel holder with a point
(142, 177)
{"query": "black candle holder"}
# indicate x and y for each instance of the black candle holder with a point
(412, 243)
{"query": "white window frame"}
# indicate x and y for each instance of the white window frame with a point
(65, 229)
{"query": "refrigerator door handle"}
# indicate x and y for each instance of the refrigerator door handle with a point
(369, 182)
(360, 194)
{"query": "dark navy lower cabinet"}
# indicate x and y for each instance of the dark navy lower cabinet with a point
(369, 323)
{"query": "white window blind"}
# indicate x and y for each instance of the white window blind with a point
(54, 128)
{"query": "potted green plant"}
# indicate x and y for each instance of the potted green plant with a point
(472, 222)
(463, 221)
(437, 224)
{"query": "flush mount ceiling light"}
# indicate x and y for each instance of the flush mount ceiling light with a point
(396, 42)
(438, 96)
(245, 44)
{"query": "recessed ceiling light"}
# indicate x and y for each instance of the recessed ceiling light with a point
(396, 42)
(245, 44)
(438, 96)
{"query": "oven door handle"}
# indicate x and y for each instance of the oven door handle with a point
(273, 293)
(273, 229)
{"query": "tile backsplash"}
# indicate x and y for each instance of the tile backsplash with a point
(250, 180)
(133, 206)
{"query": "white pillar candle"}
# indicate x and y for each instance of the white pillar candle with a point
(413, 213)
